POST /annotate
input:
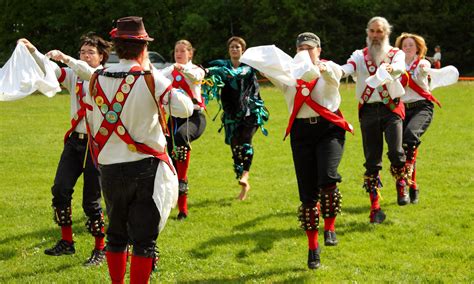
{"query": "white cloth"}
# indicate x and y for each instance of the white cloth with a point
(443, 77)
(193, 75)
(21, 76)
(283, 71)
(360, 71)
(140, 118)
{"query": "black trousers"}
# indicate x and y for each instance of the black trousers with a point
(416, 122)
(243, 134)
(317, 151)
(376, 120)
(70, 168)
(187, 130)
(133, 216)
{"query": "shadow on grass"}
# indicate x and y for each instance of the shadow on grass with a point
(222, 202)
(34, 273)
(260, 219)
(261, 276)
(263, 239)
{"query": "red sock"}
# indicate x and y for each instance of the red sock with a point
(312, 239)
(140, 269)
(183, 203)
(182, 167)
(66, 233)
(117, 263)
(329, 224)
(99, 243)
(374, 201)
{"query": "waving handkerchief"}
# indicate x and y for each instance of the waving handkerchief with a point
(443, 77)
(21, 76)
(381, 77)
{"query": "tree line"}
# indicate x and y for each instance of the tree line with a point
(209, 23)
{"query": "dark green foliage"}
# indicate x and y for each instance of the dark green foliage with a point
(209, 23)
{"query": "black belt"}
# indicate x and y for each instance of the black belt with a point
(414, 104)
(373, 105)
(77, 135)
(310, 120)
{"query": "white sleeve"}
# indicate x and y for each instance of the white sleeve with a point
(176, 102)
(333, 73)
(194, 73)
(40, 58)
(81, 68)
(350, 67)
(398, 64)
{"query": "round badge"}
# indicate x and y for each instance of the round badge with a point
(305, 92)
(119, 97)
(75, 116)
(104, 108)
(121, 130)
(366, 57)
(103, 131)
(99, 101)
(392, 106)
(367, 91)
(131, 148)
(129, 79)
(380, 89)
(369, 62)
(125, 88)
(385, 100)
(178, 78)
(117, 107)
(111, 116)
(384, 93)
(371, 69)
(77, 89)
(390, 54)
(366, 98)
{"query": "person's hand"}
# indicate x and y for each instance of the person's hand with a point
(31, 48)
(389, 68)
(178, 67)
(322, 67)
(57, 55)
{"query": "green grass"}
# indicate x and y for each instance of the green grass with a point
(257, 240)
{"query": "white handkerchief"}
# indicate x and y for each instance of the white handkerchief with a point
(381, 77)
(443, 77)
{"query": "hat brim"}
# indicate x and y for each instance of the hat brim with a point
(137, 38)
(308, 42)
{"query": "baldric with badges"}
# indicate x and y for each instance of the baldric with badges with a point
(111, 111)
(396, 105)
(407, 80)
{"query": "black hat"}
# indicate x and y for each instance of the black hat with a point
(309, 39)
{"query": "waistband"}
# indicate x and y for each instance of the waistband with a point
(374, 105)
(415, 104)
(310, 120)
(77, 135)
(134, 164)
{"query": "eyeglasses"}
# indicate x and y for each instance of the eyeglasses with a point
(83, 52)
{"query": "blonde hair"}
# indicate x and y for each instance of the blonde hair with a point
(188, 45)
(419, 42)
(239, 40)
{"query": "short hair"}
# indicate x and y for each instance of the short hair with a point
(386, 26)
(103, 46)
(129, 49)
(240, 40)
(189, 46)
(419, 42)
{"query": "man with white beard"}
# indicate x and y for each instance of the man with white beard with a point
(380, 110)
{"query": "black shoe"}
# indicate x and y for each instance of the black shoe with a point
(97, 257)
(414, 195)
(330, 238)
(402, 192)
(182, 216)
(60, 248)
(314, 260)
(377, 216)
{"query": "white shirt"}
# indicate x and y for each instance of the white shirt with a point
(77, 70)
(437, 56)
(360, 71)
(193, 75)
(325, 93)
(139, 114)
(420, 77)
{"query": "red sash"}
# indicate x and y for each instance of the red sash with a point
(180, 82)
(407, 80)
(112, 123)
(303, 95)
(81, 112)
(396, 107)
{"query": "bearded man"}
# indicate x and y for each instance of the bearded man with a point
(381, 112)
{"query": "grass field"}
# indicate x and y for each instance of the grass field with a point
(257, 240)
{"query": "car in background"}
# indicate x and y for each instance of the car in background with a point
(155, 58)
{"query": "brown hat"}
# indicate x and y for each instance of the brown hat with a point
(131, 28)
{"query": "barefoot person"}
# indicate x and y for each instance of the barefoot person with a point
(75, 159)
(187, 77)
(244, 111)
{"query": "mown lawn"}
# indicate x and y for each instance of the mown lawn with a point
(257, 240)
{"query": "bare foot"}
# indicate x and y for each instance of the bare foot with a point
(244, 182)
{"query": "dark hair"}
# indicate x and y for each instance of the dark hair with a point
(129, 49)
(103, 46)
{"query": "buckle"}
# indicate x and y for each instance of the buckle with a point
(81, 136)
(313, 120)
